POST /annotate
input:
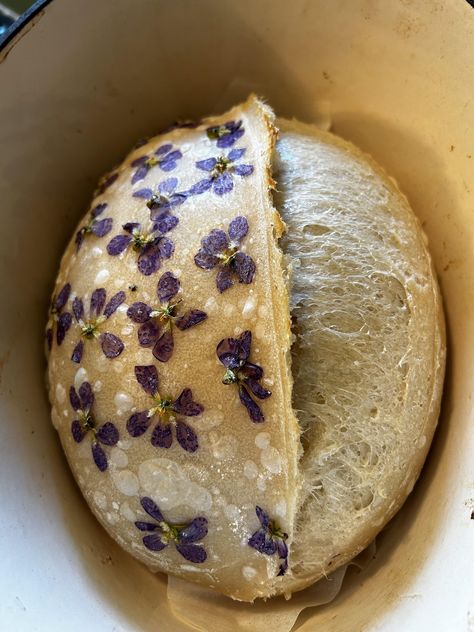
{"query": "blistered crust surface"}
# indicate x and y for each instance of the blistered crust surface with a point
(239, 464)
(368, 359)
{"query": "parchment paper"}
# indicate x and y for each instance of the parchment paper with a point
(207, 611)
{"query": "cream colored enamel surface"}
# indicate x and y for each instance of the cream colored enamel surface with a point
(397, 79)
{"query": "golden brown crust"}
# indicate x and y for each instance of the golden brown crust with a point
(239, 464)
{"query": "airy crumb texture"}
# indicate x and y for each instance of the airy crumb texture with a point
(368, 359)
(170, 355)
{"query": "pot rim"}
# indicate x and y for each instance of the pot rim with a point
(22, 22)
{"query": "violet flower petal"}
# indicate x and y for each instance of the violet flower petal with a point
(147, 377)
(245, 267)
(139, 161)
(108, 434)
(164, 149)
(253, 409)
(153, 542)
(114, 304)
(146, 194)
(152, 509)
(238, 228)
(206, 165)
(78, 309)
(98, 210)
(196, 530)
(168, 287)
(223, 184)
(118, 244)
(224, 279)
(235, 154)
(245, 342)
(79, 239)
(282, 548)
(62, 297)
(140, 173)
(228, 351)
(139, 312)
(262, 543)
(263, 517)
(148, 334)
(99, 457)
(243, 170)
(185, 405)
(166, 223)
(86, 396)
(138, 423)
(146, 526)
(168, 163)
(192, 553)
(283, 567)
(77, 352)
(215, 242)
(64, 323)
(186, 437)
(102, 227)
(161, 436)
(257, 389)
(200, 187)
(97, 302)
(204, 260)
(168, 186)
(190, 319)
(111, 345)
(149, 260)
(251, 370)
(74, 399)
(77, 431)
(165, 247)
(129, 227)
(163, 348)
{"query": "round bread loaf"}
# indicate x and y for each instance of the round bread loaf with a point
(213, 437)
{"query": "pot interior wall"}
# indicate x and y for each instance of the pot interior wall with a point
(80, 85)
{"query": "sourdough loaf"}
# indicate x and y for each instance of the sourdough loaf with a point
(207, 444)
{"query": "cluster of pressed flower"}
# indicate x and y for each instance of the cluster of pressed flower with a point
(152, 244)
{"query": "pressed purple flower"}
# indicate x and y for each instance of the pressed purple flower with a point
(163, 199)
(105, 434)
(270, 539)
(221, 172)
(151, 245)
(169, 412)
(222, 250)
(157, 323)
(97, 227)
(91, 325)
(160, 533)
(105, 182)
(234, 354)
(164, 157)
(62, 320)
(226, 134)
